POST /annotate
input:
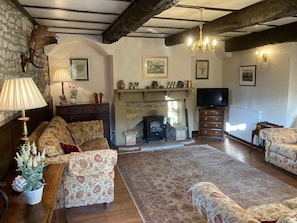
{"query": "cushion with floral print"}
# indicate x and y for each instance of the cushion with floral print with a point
(268, 212)
(78, 132)
(290, 203)
(289, 218)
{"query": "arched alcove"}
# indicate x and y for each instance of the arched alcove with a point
(100, 72)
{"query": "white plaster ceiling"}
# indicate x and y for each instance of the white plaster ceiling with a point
(93, 17)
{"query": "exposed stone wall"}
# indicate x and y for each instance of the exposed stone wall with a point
(15, 32)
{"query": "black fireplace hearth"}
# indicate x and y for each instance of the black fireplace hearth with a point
(154, 128)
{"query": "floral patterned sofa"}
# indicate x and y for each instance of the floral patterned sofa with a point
(215, 207)
(89, 162)
(281, 147)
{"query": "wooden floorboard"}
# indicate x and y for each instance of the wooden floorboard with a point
(123, 210)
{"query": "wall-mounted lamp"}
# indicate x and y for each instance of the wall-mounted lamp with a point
(261, 57)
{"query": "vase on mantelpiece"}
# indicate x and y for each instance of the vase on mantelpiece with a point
(121, 84)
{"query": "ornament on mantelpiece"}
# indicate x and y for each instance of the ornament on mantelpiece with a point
(121, 84)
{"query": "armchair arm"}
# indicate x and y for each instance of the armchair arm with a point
(92, 162)
(279, 135)
(215, 206)
(57, 159)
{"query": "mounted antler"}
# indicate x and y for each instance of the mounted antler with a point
(40, 37)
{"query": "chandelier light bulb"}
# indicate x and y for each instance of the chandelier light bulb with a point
(190, 41)
(200, 44)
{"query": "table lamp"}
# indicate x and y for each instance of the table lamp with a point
(62, 75)
(21, 94)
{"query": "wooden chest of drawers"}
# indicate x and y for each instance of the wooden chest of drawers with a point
(211, 123)
(86, 112)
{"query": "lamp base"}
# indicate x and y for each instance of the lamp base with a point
(24, 120)
(63, 99)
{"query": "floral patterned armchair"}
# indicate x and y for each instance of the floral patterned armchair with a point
(90, 178)
(89, 162)
(216, 207)
(281, 147)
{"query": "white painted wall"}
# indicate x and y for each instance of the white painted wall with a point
(123, 61)
(99, 62)
(275, 90)
(274, 94)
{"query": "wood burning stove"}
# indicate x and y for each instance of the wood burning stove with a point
(154, 128)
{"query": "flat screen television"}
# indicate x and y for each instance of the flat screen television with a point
(212, 97)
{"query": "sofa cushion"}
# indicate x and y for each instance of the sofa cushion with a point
(51, 137)
(68, 148)
(94, 129)
(291, 203)
(291, 217)
(95, 144)
(285, 149)
(78, 134)
(82, 132)
(268, 212)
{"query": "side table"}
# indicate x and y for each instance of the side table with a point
(19, 212)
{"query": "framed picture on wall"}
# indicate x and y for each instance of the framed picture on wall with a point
(247, 75)
(79, 69)
(202, 67)
(155, 67)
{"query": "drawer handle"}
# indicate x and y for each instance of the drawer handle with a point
(96, 109)
(69, 110)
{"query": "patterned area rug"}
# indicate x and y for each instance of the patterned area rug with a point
(158, 181)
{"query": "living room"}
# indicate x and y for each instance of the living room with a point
(271, 97)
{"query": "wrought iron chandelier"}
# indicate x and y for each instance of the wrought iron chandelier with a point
(200, 44)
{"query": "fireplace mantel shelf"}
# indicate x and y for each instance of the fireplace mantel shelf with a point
(145, 92)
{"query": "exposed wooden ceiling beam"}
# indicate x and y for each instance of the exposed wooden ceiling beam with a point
(254, 14)
(277, 35)
(134, 17)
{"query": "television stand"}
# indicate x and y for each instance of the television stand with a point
(211, 123)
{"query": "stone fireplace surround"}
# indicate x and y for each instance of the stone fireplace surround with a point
(132, 105)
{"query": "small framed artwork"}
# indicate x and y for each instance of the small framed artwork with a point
(247, 75)
(155, 67)
(79, 69)
(202, 67)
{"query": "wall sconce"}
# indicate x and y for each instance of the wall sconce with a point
(261, 57)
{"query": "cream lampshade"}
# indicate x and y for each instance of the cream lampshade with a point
(62, 75)
(21, 94)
